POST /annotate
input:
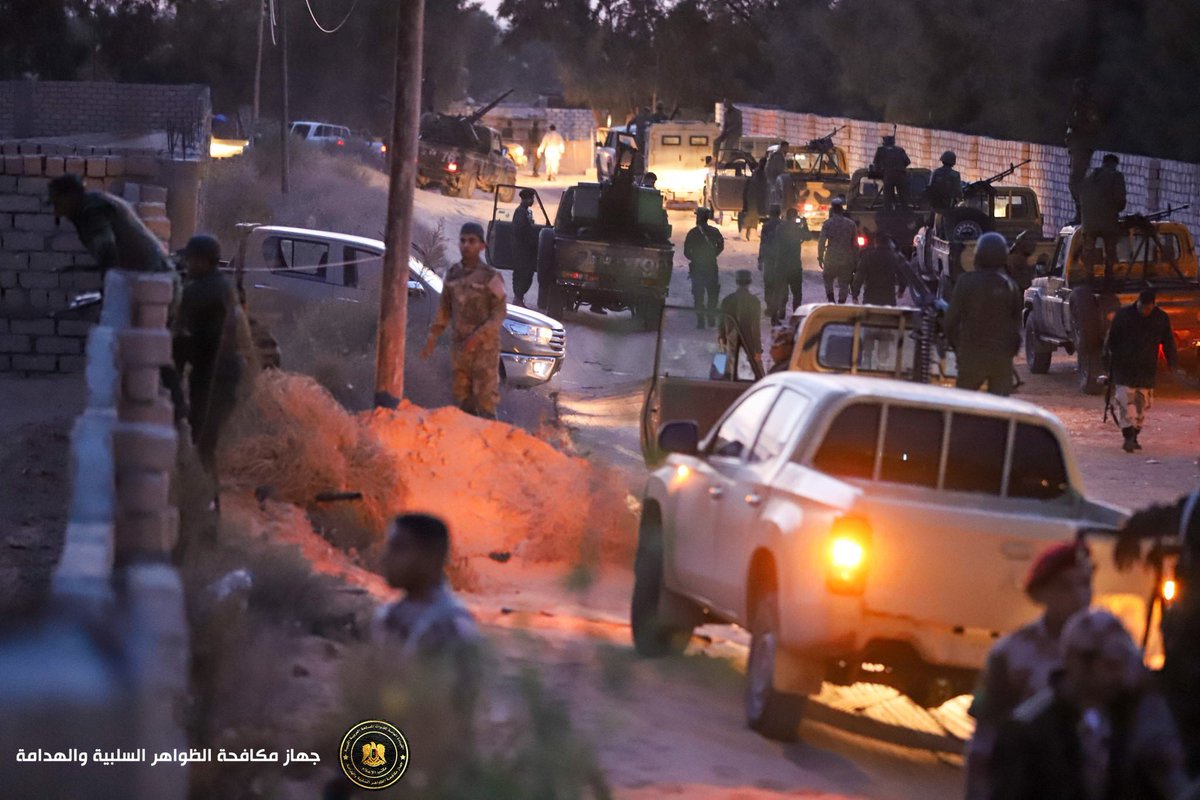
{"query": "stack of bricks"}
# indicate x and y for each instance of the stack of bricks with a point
(1152, 184)
(43, 265)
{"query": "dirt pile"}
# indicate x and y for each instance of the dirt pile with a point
(502, 489)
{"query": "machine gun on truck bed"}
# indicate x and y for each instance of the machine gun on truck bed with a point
(460, 155)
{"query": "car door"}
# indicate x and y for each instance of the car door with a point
(709, 487)
(747, 490)
(1055, 293)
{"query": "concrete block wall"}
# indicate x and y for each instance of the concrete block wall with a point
(43, 265)
(1152, 183)
(35, 108)
(115, 636)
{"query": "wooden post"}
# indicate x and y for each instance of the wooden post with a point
(262, 16)
(284, 132)
(393, 301)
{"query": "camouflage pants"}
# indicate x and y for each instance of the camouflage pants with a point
(840, 271)
(475, 379)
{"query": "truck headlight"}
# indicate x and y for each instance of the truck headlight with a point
(530, 333)
(848, 555)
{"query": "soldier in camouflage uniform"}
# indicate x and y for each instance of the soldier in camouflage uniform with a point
(836, 252)
(740, 325)
(1020, 664)
(474, 305)
(108, 227)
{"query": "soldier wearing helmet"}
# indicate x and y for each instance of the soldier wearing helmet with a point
(983, 322)
(945, 187)
(891, 165)
(1020, 664)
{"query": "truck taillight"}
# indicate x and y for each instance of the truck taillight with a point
(341, 142)
(861, 240)
(451, 166)
(848, 555)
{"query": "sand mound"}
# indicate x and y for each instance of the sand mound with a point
(502, 489)
(292, 440)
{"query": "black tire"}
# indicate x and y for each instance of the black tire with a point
(966, 224)
(1037, 357)
(774, 714)
(653, 637)
(1086, 316)
(556, 305)
(466, 186)
(649, 311)
(506, 194)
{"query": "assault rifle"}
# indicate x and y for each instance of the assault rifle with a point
(986, 184)
(824, 144)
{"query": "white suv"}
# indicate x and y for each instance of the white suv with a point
(860, 529)
(322, 133)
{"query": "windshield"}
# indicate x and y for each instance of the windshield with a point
(879, 348)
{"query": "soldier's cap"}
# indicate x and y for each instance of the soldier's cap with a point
(527, 194)
(1110, 158)
(1099, 632)
(203, 246)
(65, 184)
(889, 139)
(783, 336)
(838, 202)
(472, 229)
(949, 157)
(702, 212)
(743, 277)
(1053, 561)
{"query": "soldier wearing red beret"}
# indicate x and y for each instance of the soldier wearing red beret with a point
(1020, 664)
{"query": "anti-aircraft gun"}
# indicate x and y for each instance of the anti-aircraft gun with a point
(460, 154)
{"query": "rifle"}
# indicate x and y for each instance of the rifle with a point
(1108, 396)
(986, 183)
(1144, 220)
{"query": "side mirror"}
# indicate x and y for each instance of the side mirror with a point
(416, 289)
(679, 437)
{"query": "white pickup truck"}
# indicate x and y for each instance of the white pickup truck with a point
(859, 528)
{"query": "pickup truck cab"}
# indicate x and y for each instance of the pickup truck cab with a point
(858, 526)
(864, 204)
(322, 133)
(1067, 308)
(675, 151)
(460, 170)
(287, 271)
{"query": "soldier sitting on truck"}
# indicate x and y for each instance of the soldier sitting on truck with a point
(1101, 200)
(945, 189)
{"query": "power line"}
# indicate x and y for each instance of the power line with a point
(336, 28)
(271, 3)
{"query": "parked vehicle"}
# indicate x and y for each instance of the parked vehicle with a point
(864, 204)
(460, 155)
(859, 529)
(286, 271)
(323, 134)
(675, 152)
(1067, 308)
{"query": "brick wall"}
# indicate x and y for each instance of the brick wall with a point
(42, 262)
(1152, 183)
(31, 109)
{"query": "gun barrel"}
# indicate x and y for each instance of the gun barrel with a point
(478, 115)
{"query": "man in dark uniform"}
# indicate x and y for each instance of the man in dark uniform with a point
(1083, 126)
(109, 228)
(740, 324)
(208, 339)
(877, 277)
(945, 188)
(754, 199)
(1019, 269)
(768, 260)
(531, 146)
(789, 240)
(701, 248)
(525, 241)
(776, 166)
(731, 130)
(1131, 351)
(984, 320)
(1101, 201)
(836, 251)
(891, 165)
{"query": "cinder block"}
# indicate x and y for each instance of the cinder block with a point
(95, 167)
(5, 364)
(55, 166)
(48, 262)
(15, 343)
(144, 447)
(142, 165)
(14, 165)
(153, 288)
(143, 491)
(31, 363)
(8, 183)
(160, 412)
(132, 193)
(59, 345)
(146, 534)
(73, 327)
(66, 243)
(85, 282)
(76, 165)
(160, 227)
(72, 364)
(94, 184)
(15, 298)
(147, 209)
(35, 223)
(19, 202)
(140, 385)
(114, 166)
(32, 165)
(144, 347)
(27, 148)
(16, 241)
(3, 324)
(154, 194)
(37, 186)
(38, 280)
(18, 261)
(151, 315)
(39, 298)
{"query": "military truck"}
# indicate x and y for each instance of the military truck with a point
(458, 154)
(675, 152)
(864, 204)
(612, 256)
(1068, 308)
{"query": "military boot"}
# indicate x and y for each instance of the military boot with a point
(1136, 444)
(1130, 440)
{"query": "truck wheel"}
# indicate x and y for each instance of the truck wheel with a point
(556, 306)
(1085, 314)
(967, 224)
(506, 194)
(1037, 357)
(774, 714)
(649, 311)
(653, 636)
(466, 186)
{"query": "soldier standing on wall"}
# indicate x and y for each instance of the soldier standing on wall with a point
(473, 305)
(701, 248)
(891, 165)
(1083, 126)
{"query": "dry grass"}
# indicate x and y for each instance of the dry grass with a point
(292, 441)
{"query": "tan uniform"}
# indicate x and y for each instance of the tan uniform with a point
(1017, 668)
(474, 306)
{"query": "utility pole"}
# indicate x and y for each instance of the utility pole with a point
(262, 16)
(393, 301)
(284, 134)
